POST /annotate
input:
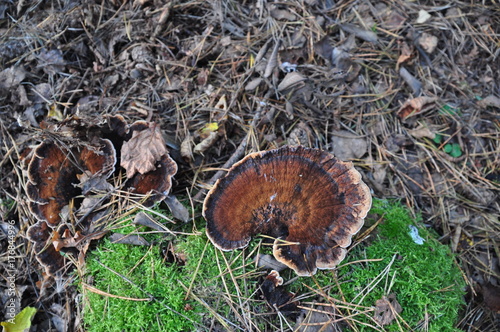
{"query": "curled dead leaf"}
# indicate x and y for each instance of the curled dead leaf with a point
(423, 130)
(205, 144)
(146, 220)
(415, 106)
(386, 309)
(423, 16)
(281, 14)
(253, 84)
(143, 150)
(269, 262)
(11, 77)
(291, 80)
(273, 61)
(187, 148)
(347, 145)
(133, 239)
(428, 42)
(491, 100)
(405, 55)
(178, 210)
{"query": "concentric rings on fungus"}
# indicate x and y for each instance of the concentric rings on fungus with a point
(309, 201)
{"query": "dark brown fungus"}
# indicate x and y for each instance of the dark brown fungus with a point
(54, 180)
(53, 175)
(78, 163)
(277, 296)
(46, 254)
(309, 201)
(156, 183)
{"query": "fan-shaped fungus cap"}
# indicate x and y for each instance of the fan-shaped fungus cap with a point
(157, 182)
(46, 254)
(309, 201)
(53, 175)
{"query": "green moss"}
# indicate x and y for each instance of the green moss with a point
(149, 275)
(209, 274)
(425, 278)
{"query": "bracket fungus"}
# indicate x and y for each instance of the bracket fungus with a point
(68, 174)
(310, 202)
(54, 171)
(56, 176)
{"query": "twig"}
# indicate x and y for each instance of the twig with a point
(238, 153)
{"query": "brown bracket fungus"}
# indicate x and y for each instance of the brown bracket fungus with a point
(309, 201)
(148, 165)
(154, 184)
(74, 166)
(54, 175)
(55, 178)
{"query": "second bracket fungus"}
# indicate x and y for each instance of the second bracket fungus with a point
(69, 189)
(310, 202)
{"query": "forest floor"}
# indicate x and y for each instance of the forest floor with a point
(407, 90)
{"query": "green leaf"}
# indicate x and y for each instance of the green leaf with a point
(453, 149)
(438, 138)
(22, 321)
(450, 110)
(456, 150)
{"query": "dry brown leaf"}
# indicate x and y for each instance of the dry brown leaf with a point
(281, 14)
(291, 80)
(142, 151)
(423, 130)
(405, 55)
(491, 100)
(133, 239)
(12, 77)
(423, 16)
(205, 144)
(253, 84)
(273, 61)
(386, 309)
(428, 42)
(145, 220)
(415, 106)
(187, 148)
(491, 296)
(318, 319)
(269, 262)
(347, 145)
(178, 210)
(51, 61)
(324, 48)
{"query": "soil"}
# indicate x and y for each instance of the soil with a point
(409, 91)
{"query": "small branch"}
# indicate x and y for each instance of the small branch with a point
(240, 151)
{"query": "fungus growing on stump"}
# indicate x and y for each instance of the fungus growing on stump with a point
(309, 201)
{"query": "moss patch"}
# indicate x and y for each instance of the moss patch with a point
(149, 275)
(211, 275)
(424, 278)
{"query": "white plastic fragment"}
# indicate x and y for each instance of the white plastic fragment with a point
(288, 67)
(415, 236)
